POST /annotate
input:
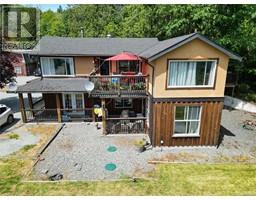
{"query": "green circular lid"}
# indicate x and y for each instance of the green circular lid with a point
(110, 166)
(111, 149)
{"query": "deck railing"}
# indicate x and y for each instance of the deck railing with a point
(40, 115)
(120, 84)
(84, 114)
(130, 125)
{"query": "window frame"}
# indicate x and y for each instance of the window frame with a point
(137, 64)
(57, 57)
(124, 107)
(18, 68)
(177, 135)
(216, 60)
(73, 100)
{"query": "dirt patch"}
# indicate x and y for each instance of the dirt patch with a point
(242, 158)
(123, 141)
(182, 157)
(29, 152)
(42, 128)
(66, 145)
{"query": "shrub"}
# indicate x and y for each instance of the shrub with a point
(14, 136)
(27, 147)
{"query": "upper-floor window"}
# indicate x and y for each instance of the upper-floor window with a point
(59, 66)
(128, 66)
(191, 73)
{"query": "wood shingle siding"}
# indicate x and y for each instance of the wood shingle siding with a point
(163, 122)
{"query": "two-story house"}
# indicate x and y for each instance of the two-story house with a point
(172, 90)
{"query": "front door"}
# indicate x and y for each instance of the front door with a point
(74, 102)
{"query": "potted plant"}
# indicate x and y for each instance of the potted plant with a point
(140, 144)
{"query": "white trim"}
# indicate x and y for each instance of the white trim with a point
(185, 135)
(72, 66)
(193, 86)
(191, 120)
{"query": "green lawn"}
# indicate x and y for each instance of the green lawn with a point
(171, 179)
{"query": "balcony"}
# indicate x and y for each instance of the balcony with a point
(120, 85)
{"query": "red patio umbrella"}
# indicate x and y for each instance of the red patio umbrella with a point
(124, 56)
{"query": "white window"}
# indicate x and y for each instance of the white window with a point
(18, 70)
(73, 101)
(60, 66)
(123, 103)
(191, 73)
(187, 121)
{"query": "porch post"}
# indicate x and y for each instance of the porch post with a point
(58, 107)
(30, 103)
(103, 106)
(22, 108)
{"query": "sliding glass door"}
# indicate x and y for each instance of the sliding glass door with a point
(74, 102)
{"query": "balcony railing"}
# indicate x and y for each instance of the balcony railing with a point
(47, 115)
(120, 84)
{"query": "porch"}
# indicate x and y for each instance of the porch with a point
(118, 116)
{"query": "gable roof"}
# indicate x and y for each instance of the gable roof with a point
(92, 46)
(149, 48)
(169, 45)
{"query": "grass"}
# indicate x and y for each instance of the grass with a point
(14, 136)
(171, 179)
(28, 147)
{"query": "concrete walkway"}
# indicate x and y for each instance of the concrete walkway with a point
(9, 146)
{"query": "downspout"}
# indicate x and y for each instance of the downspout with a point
(151, 105)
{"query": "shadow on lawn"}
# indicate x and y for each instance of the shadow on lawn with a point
(224, 132)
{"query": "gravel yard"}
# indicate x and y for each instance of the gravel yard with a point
(79, 152)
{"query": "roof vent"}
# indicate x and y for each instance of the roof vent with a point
(108, 35)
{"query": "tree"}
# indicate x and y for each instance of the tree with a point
(7, 74)
(52, 24)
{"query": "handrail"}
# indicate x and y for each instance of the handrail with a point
(110, 76)
(126, 118)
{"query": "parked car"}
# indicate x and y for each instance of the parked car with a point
(6, 115)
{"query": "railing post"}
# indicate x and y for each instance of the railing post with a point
(30, 102)
(58, 107)
(22, 108)
(103, 106)
(147, 83)
(93, 115)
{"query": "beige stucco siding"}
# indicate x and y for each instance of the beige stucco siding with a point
(83, 65)
(195, 49)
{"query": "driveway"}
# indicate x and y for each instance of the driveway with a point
(80, 151)
(12, 100)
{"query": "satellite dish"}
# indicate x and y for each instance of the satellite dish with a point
(89, 86)
(12, 86)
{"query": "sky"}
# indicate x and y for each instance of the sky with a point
(53, 7)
